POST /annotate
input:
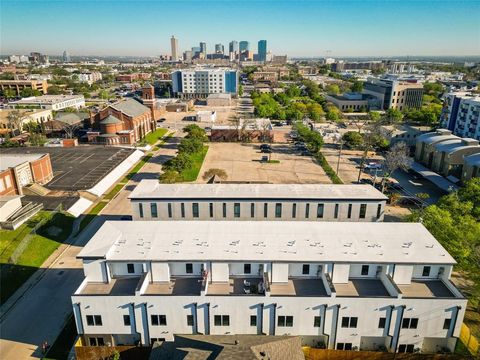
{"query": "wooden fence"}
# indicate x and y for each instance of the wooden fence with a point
(321, 354)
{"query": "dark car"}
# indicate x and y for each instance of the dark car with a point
(265, 146)
(306, 153)
(266, 150)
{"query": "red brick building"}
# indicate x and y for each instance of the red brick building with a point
(19, 170)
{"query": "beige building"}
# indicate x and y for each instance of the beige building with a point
(40, 116)
(407, 95)
(151, 200)
(19, 85)
(270, 76)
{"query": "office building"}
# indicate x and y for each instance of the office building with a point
(461, 114)
(244, 46)
(233, 47)
(66, 57)
(19, 85)
(354, 102)
(203, 48)
(262, 50)
(174, 48)
(52, 102)
(395, 94)
(152, 200)
(219, 49)
(200, 82)
(188, 55)
(368, 286)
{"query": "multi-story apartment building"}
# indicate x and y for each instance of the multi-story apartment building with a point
(366, 286)
(90, 77)
(152, 200)
(52, 102)
(200, 82)
(395, 94)
(461, 114)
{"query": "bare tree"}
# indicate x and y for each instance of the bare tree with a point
(396, 158)
(15, 120)
(220, 173)
(70, 129)
(371, 136)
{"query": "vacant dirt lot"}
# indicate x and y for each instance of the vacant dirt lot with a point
(242, 163)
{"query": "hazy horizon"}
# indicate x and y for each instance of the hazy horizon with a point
(297, 29)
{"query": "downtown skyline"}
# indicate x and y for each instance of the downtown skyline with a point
(305, 28)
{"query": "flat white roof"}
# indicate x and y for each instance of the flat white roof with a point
(153, 189)
(47, 99)
(262, 241)
(10, 161)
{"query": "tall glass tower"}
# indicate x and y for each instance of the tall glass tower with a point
(262, 50)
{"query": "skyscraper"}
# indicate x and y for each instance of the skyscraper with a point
(203, 47)
(66, 57)
(174, 46)
(262, 50)
(244, 46)
(219, 49)
(233, 46)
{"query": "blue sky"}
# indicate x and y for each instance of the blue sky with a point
(297, 28)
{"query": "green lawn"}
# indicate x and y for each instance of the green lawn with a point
(114, 191)
(328, 169)
(44, 243)
(191, 173)
(153, 137)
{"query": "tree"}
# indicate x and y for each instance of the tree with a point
(170, 177)
(190, 145)
(333, 89)
(70, 129)
(9, 93)
(352, 139)
(15, 120)
(28, 92)
(220, 173)
(37, 139)
(195, 131)
(357, 86)
(54, 90)
(240, 90)
(396, 158)
(392, 116)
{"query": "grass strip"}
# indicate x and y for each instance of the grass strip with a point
(328, 169)
(191, 173)
(153, 137)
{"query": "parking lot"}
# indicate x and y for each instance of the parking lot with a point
(242, 163)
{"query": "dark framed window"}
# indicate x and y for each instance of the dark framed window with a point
(90, 321)
(305, 269)
(406, 348)
(224, 210)
(379, 211)
(317, 321)
(349, 322)
(307, 211)
(426, 271)
(189, 268)
(210, 208)
(349, 213)
(335, 213)
(221, 320)
(195, 211)
(294, 211)
(140, 209)
(94, 320)
(265, 210)
(344, 346)
(278, 210)
(182, 210)
(126, 320)
(169, 210)
(153, 210)
(381, 323)
(446, 324)
(320, 208)
(253, 320)
(285, 321)
(130, 268)
(225, 320)
(189, 320)
(363, 211)
(247, 268)
(158, 320)
(236, 210)
(409, 323)
(252, 210)
(365, 269)
(96, 341)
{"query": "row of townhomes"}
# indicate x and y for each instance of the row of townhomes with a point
(314, 261)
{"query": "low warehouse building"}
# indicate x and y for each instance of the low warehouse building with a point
(219, 100)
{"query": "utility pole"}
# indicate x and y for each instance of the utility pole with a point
(339, 155)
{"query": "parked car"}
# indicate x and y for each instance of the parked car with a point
(373, 166)
(265, 146)
(266, 150)
(305, 153)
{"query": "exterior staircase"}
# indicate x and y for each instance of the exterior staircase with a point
(35, 189)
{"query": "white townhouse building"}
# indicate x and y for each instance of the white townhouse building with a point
(366, 286)
(152, 200)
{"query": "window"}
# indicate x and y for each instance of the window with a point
(285, 321)
(409, 323)
(210, 207)
(405, 348)
(381, 323)
(294, 211)
(265, 210)
(221, 320)
(344, 346)
(169, 209)
(130, 268)
(363, 211)
(189, 320)
(307, 211)
(426, 271)
(253, 320)
(126, 320)
(320, 208)
(335, 214)
(189, 268)
(182, 209)
(158, 320)
(94, 320)
(96, 341)
(349, 322)
(224, 210)
(236, 210)
(252, 210)
(154, 340)
(278, 210)
(365, 269)
(349, 215)
(153, 210)
(195, 212)
(446, 324)
(316, 321)
(379, 211)
(247, 268)
(140, 209)
(306, 269)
